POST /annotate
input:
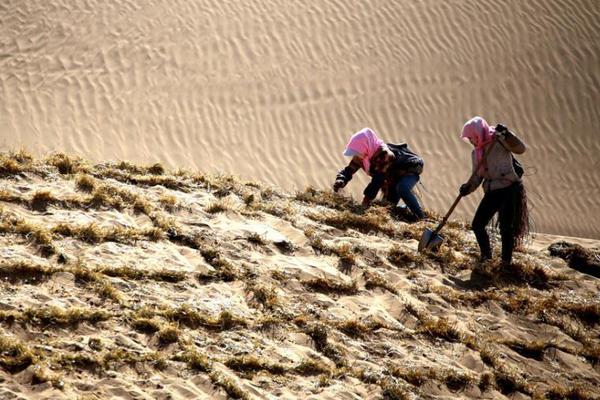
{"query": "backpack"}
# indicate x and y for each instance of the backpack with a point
(518, 167)
(408, 157)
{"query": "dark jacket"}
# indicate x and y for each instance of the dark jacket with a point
(405, 162)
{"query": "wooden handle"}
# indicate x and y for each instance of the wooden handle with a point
(445, 219)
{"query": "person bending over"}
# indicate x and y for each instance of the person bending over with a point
(393, 168)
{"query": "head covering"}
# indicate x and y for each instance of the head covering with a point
(351, 153)
(364, 144)
(480, 133)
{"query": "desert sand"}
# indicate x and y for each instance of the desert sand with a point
(129, 282)
(272, 91)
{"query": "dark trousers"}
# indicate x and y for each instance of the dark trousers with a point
(504, 202)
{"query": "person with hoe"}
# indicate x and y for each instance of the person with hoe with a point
(495, 166)
(393, 168)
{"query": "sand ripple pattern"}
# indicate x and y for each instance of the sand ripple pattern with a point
(272, 91)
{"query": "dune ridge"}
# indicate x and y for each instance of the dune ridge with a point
(272, 92)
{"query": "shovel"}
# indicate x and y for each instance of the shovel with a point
(432, 240)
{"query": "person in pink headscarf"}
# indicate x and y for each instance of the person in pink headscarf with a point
(496, 168)
(392, 166)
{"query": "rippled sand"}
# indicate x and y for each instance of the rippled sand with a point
(272, 92)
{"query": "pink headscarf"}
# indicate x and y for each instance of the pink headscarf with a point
(480, 133)
(365, 143)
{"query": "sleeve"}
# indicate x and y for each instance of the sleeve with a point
(475, 180)
(347, 173)
(374, 186)
(512, 143)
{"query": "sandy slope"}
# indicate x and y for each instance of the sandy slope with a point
(272, 90)
(323, 303)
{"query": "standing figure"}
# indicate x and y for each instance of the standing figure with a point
(392, 167)
(495, 166)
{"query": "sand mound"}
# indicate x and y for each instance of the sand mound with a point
(272, 92)
(123, 281)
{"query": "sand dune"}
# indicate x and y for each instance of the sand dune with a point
(272, 91)
(119, 282)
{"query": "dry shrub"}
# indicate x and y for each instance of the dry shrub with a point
(14, 355)
(530, 349)
(58, 317)
(525, 272)
(403, 257)
(168, 202)
(331, 286)
(587, 313)
(414, 376)
(319, 334)
(156, 169)
(168, 335)
(264, 294)
(146, 325)
(569, 393)
(578, 257)
(357, 329)
(440, 328)
(312, 367)
(509, 381)
(9, 166)
(195, 360)
(230, 387)
(374, 219)
(67, 164)
(249, 364)
(85, 182)
(326, 198)
(391, 390)
(218, 206)
(19, 271)
(42, 374)
(375, 279)
(41, 199)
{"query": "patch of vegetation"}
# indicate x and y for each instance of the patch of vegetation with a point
(319, 335)
(41, 374)
(58, 317)
(264, 294)
(375, 280)
(529, 349)
(168, 335)
(249, 364)
(146, 325)
(331, 286)
(195, 360)
(24, 271)
(168, 202)
(578, 257)
(310, 367)
(85, 183)
(185, 315)
(357, 329)
(327, 198)
(230, 387)
(14, 355)
(440, 328)
(67, 164)
(403, 257)
(218, 206)
(567, 393)
(374, 219)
